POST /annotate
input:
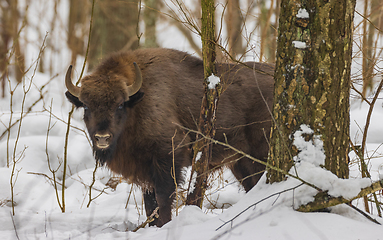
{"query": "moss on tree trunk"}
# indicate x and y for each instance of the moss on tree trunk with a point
(312, 81)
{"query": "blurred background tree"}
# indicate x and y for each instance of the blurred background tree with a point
(115, 27)
(78, 27)
(11, 24)
(372, 30)
(150, 17)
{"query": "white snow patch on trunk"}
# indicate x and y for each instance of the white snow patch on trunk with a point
(299, 44)
(302, 13)
(310, 151)
(198, 157)
(213, 81)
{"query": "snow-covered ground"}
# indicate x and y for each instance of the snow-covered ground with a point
(39, 152)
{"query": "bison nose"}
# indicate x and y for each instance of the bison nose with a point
(102, 140)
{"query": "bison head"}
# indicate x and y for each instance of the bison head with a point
(106, 98)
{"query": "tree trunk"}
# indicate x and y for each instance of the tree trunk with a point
(6, 36)
(203, 148)
(234, 25)
(369, 34)
(19, 55)
(312, 81)
(114, 28)
(78, 27)
(267, 29)
(150, 19)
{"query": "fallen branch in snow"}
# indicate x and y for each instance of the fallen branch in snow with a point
(324, 200)
(150, 219)
(254, 204)
(364, 214)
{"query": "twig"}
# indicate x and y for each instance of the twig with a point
(251, 157)
(150, 219)
(361, 94)
(14, 226)
(365, 172)
(130, 193)
(46, 176)
(174, 173)
(254, 204)
(29, 109)
(48, 159)
(363, 213)
(368, 20)
(91, 185)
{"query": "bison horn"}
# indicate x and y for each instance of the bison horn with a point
(74, 90)
(135, 87)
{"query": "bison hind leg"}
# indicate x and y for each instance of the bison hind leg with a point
(247, 172)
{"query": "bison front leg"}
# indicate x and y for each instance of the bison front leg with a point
(164, 195)
(150, 205)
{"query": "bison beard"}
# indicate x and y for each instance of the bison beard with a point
(104, 155)
(142, 127)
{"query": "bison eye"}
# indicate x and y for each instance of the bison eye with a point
(121, 106)
(86, 109)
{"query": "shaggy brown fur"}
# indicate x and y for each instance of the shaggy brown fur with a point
(141, 127)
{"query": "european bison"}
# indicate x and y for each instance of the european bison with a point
(134, 101)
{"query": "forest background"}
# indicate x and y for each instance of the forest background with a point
(39, 39)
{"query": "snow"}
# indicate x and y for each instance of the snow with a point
(198, 157)
(213, 81)
(270, 210)
(311, 151)
(302, 13)
(299, 44)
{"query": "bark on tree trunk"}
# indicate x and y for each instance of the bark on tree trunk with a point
(312, 81)
(203, 148)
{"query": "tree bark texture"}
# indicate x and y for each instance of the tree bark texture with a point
(312, 81)
(114, 28)
(203, 147)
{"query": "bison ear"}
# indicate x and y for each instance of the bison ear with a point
(74, 100)
(134, 99)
